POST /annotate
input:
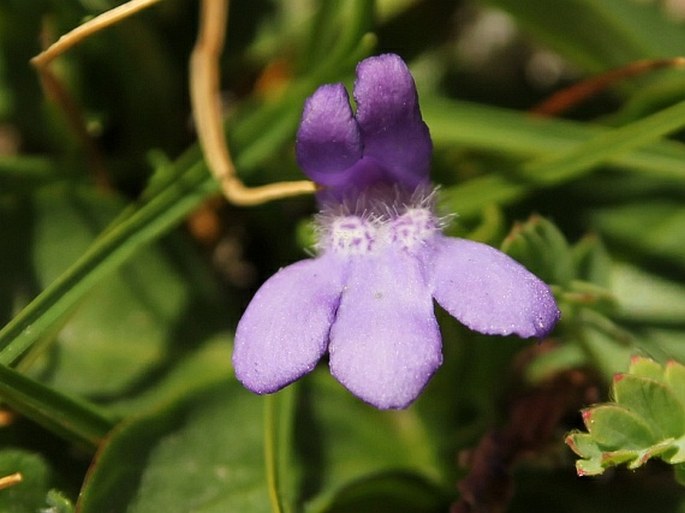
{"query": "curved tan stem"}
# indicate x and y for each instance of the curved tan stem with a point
(73, 37)
(55, 91)
(206, 103)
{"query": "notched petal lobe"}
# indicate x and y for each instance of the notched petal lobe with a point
(328, 139)
(390, 120)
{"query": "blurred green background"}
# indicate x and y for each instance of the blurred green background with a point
(123, 272)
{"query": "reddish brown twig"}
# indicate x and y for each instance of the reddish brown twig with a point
(565, 99)
(534, 421)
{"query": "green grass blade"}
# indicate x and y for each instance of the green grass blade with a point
(599, 34)
(517, 133)
(610, 145)
(70, 418)
(613, 143)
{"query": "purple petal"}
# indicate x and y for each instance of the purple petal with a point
(390, 121)
(328, 139)
(284, 331)
(489, 291)
(385, 343)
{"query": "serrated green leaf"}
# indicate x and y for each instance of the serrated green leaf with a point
(653, 401)
(614, 427)
(57, 503)
(633, 458)
(592, 261)
(583, 444)
(674, 376)
(589, 467)
(647, 420)
(642, 367)
(541, 247)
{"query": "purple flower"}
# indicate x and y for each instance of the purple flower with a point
(367, 298)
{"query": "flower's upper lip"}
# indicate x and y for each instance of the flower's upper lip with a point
(385, 141)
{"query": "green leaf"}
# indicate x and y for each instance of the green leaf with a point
(124, 327)
(57, 503)
(646, 368)
(102, 257)
(390, 493)
(28, 495)
(674, 376)
(203, 454)
(608, 346)
(341, 441)
(585, 157)
(337, 27)
(646, 420)
(592, 261)
(209, 363)
(651, 400)
(26, 173)
(541, 247)
(614, 427)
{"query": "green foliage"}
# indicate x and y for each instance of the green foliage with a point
(646, 420)
(30, 493)
(610, 33)
(205, 452)
(120, 330)
(201, 454)
(57, 503)
(117, 320)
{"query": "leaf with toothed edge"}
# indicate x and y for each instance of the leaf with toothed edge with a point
(645, 420)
